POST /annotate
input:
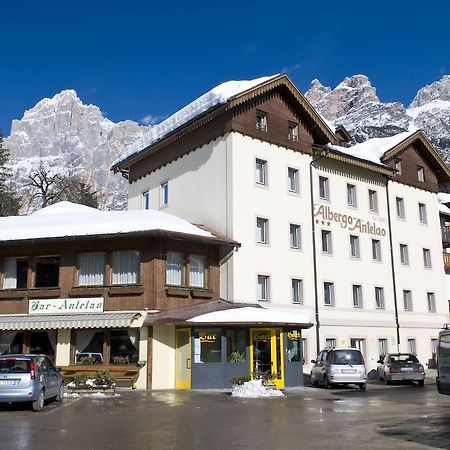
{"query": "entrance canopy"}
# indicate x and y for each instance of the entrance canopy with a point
(61, 321)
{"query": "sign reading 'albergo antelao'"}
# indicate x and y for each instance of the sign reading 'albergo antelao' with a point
(65, 305)
(326, 214)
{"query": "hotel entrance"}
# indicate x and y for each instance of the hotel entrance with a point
(266, 353)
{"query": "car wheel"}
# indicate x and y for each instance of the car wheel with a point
(362, 387)
(313, 380)
(60, 396)
(420, 383)
(326, 383)
(38, 404)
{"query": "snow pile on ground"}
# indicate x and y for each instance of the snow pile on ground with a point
(255, 389)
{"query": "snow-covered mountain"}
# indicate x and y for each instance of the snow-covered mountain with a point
(70, 137)
(354, 104)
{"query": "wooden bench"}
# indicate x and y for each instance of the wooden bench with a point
(120, 373)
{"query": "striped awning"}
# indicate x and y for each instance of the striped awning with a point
(61, 321)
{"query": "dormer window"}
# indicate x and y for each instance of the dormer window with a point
(420, 173)
(398, 166)
(261, 121)
(293, 131)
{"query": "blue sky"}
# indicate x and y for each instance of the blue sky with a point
(140, 59)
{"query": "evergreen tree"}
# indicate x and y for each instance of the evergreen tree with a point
(9, 200)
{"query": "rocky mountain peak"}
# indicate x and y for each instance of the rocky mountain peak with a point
(317, 91)
(438, 90)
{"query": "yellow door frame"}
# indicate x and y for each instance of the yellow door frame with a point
(279, 382)
(183, 384)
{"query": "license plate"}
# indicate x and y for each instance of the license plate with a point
(407, 369)
(10, 382)
(348, 371)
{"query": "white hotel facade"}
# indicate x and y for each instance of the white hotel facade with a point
(348, 236)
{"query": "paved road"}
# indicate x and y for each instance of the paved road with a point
(394, 417)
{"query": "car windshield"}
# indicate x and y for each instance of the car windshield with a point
(12, 365)
(404, 359)
(343, 357)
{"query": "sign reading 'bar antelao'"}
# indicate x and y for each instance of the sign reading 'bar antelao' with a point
(65, 305)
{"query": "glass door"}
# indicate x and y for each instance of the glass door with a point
(266, 354)
(183, 358)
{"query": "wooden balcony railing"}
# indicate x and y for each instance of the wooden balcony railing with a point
(446, 257)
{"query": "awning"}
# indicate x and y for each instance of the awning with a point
(68, 321)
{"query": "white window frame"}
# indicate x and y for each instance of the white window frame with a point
(10, 272)
(376, 250)
(382, 346)
(431, 302)
(379, 297)
(404, 255)
(261, 121)
(423, 213)
(297, 291)
(175, 264)
(137, 262)
(420, 174)
(262, 288)
(262, 230)
(357, 295)
(327, 242)
(164, 194)
(354, 247)
(400, 207)
(293, 131)
(412, 345)
(407, 300)
(260, 172)
(146, 200)
(198, 261)
(373, 201)
(293, 180)
(330, 342)
(324, 188)
(398, 166)
(426, 258)
(295, 236)
(101, 258)
(328, 286)
(351, 196)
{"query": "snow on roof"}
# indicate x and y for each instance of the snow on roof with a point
(216, 96)
(250, 314)
(443, 199)
(67, 219)
(373, 149)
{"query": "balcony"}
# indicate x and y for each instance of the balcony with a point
(446, 257)
(445, 231)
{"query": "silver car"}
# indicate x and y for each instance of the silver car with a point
(29, 378)
(340, 365)
(401, 367)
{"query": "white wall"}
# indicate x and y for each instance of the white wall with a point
(163, 361)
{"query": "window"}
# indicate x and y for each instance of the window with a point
(354, 246)
(91, 269)
(407, 300)
(297, 291)
(328, 293)
(15, 273)
(47, 272)
(330, 342)
(431, 302)
(373, 201)
(376, 250)
(294, 236)
(324, 193)
(351, 195)
(404, 258)
(89, 345)
(433, 347)
(175, 268)
(400, 207)
(207, 345)
(197, 272)
(426, 258)
(125, 267)
(261, 121)
(261, 172)
(236, 345)
(379, 297)
(326, 242)
(124, 345)
(164, 194)
(262, 293)
(412, 346)
(293, 180)
(358, 343)
(293, 343)
(398, 166)
(382, 346)
(422, 213)
(293, 131)
(304, 350)
(420, 173)
(357, 296)
(146, 200)
(262, 226)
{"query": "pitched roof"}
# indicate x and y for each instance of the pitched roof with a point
(228, 94)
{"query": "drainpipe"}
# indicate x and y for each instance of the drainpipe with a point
(313, 227)
(397, 323)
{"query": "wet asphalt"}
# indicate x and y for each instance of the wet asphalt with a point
(393, 417)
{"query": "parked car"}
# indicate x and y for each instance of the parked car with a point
(29, 378)
(339, 365)
(401, 367)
